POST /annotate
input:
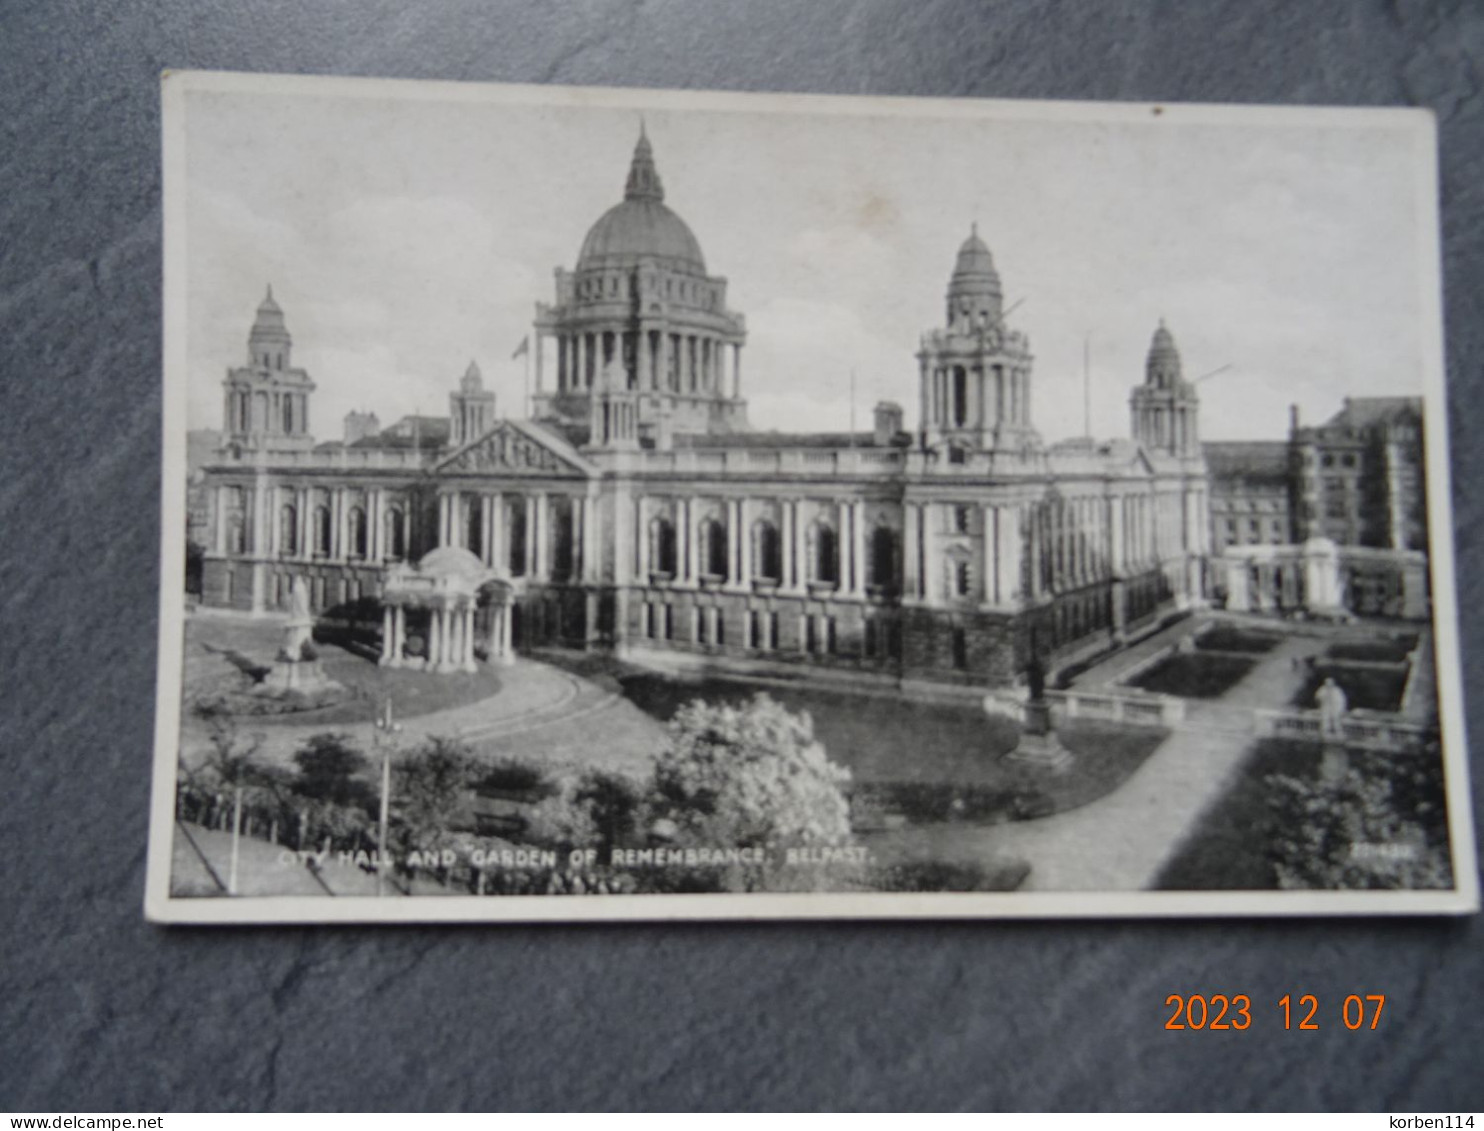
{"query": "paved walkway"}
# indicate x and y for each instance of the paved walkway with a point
(1121, 842)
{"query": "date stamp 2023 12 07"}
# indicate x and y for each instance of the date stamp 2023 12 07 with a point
(1302, 1011)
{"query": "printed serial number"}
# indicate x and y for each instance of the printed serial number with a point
(1222, 1011)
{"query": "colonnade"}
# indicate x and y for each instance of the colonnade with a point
(276, 412)
(845, 522)
(975, 396)
(451, 635)
(268, 531)
(650, 358)
(540, 530)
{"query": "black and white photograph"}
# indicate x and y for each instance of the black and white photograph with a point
(628, 504)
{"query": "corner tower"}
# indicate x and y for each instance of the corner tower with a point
(640, 315)
(1165, 408)
(975, 373)
(471, 410)
(266, 404)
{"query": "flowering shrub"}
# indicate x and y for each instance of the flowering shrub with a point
(748, 776)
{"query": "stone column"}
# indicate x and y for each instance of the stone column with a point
(301, 519)
(691, 569)
(734, 570)
(399, 625)
(530, 517)
(337, 524)
(540, 567)
(932, 565)
(744, 548)
(388, 634)
(858, 548)
(800, 548)
(497, 535)
(992, 548)
(911, 552)
(434, 643)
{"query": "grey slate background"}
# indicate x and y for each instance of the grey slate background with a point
(100, 1011)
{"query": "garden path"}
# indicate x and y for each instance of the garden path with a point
(1121, 842)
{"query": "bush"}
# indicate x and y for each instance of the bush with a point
(1381, 823)
(593, 810)
(431, 788)
(511, 775)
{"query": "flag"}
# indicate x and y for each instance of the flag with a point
(522, 349)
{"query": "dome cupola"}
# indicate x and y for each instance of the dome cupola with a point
(642, 226)
(974, 295)
(1162, 368)
(269, 342)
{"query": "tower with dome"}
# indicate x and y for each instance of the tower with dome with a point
(637, 511)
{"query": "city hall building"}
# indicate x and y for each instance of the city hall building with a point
(637, 510)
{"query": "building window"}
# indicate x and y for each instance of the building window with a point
(962, 518)
(396, 534)
(288, 530)
(824, 553)
(714, 548)
(515, 553)
(960, 643)
(322, 531)
(662, 546)
(883, 557)
(961, 579)
(766, 559)
(872, 643)
(960, 396)
(669, 622)
(357, 532)
(562, 553)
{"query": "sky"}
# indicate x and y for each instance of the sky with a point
(407, 230)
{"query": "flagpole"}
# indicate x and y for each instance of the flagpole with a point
(852, 407)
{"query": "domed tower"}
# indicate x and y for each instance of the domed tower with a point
(471, 410)
(640, 315)
(1165, 408)
(975, 373)
(267, 400)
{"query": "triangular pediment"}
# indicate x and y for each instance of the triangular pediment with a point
(1141, 464)
(517, 448)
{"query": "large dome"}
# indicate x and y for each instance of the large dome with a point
(641, 226)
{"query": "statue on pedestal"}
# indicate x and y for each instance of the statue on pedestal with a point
(1038, 746)
(297, 667)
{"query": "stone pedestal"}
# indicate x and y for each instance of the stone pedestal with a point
(1039, 747)
(302, 676)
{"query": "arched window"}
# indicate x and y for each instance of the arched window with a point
(288, 530)
(960, 396)
(662, 546)
(714, 549)
(883, 558)
(322, 531)
(824, 553)
(473, 522)
(767, 563)
(395, 542)
(357, 532)
(288, 414)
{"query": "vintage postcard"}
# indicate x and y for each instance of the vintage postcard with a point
(616, 504)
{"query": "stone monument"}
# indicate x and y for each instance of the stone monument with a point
(297, 667)
(1038, 746)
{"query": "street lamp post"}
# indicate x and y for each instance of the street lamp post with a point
(386, 728)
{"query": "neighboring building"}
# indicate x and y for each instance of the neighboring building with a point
(1361, 475)
(1252, 486)
(1348, 493)
(639, 511)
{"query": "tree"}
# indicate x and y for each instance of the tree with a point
(431, 788)
(332, 770)
(749, 776)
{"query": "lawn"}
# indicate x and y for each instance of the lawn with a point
(1369, 689)
(1229, 638)
(220, 655)
(930, 761)
(1194, 675)
(1227, 849)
